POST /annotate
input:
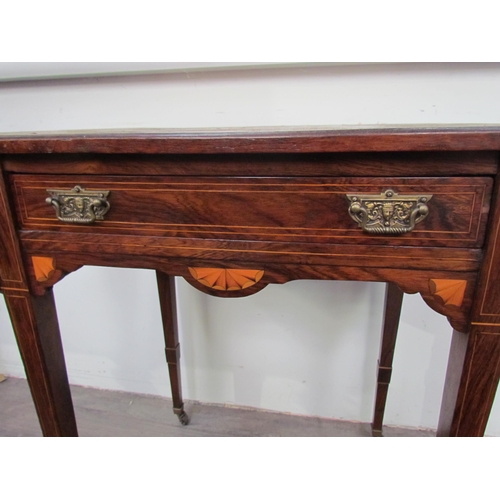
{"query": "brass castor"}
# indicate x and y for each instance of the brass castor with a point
(183, 418)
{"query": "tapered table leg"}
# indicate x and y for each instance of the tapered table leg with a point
(37, 332)
(470, 388)
(393, 304)
(456, 358)
(166, 290)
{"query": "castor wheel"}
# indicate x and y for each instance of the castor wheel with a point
(183, 418)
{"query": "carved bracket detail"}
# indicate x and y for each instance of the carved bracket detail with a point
(226, 279)
(450, 297)
(46, 272)
(448, 292)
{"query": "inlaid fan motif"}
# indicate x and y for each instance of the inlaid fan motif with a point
(451, 292)
(226, 279)
(44, 268)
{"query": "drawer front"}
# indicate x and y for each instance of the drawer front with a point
(318, 210)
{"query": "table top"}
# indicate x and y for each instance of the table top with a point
(257, 140)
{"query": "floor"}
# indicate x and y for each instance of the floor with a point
(111, 413)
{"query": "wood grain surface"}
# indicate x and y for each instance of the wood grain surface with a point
(268, 200)
(261, 140)
(288, 209)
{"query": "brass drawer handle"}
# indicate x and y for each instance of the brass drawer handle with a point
(388, 212)
(79, 205)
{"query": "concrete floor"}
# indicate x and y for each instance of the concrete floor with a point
(111, 413)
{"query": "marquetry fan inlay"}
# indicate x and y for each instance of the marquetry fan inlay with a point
(226, 279)
(44, 267)
(451, 292)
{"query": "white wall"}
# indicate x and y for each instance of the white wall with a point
(304, 347)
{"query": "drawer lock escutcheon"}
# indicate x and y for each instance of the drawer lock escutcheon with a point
(79, 205)
(388, 212)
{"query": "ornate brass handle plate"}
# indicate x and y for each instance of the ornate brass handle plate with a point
(79, 205)
(388, 212)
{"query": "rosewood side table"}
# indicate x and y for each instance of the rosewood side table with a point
(232, 211)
